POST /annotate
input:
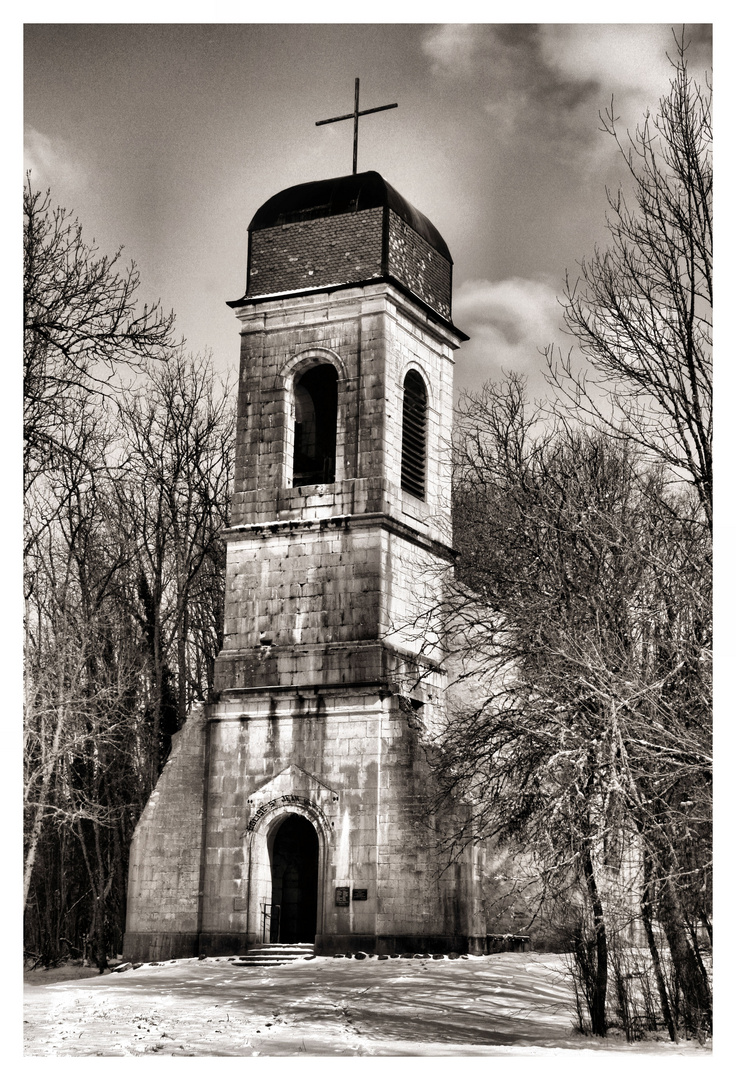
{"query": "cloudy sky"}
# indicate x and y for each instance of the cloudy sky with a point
(167, 138)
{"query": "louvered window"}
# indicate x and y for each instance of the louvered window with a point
(414, 435)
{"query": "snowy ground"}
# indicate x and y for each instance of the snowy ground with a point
(484, 1006)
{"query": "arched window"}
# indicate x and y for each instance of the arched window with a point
(414, 435)
(315, 427)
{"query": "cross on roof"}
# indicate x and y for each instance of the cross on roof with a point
(354, 116)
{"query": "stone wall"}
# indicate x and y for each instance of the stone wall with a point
(165, 855)
(357, 761)
(373, 336)
(316, 583)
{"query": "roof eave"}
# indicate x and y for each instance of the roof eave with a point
(249, 301)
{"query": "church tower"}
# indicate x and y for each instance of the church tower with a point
(293, 806)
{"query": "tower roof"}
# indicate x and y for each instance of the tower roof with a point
(344, 195)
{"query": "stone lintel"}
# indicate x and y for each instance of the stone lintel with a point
(253, 311)
(384, 688)
(340, 522)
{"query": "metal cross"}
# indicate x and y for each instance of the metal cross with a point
(354, 117)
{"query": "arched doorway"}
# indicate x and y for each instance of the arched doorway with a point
(294, 865)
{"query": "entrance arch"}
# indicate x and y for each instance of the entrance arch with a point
(294, 856)
(259, 841)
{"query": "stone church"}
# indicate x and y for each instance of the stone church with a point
(293, 805)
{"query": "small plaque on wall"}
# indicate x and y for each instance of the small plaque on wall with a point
(342, 897)
(360, 894)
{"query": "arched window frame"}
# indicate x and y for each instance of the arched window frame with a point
(290, 374)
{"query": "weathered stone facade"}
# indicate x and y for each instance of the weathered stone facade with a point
(318, 712)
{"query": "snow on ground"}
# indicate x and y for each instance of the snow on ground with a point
(508, 1004)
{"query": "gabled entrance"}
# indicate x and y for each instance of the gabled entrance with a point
(294, 877)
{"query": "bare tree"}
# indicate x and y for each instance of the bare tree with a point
(81, 328)
(85, 784)
(173, 500)
(641, 310)
(579, 618)
(101, 496)
(82, 668)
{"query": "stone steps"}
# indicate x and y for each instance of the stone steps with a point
(274, 955)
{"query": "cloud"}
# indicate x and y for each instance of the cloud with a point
(626, 62)
(52, 162)
(622, 57)
(629, 60)
(509, 323)
(452, 47)
(552, 80)
(501, 69)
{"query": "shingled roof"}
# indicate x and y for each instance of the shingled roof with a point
(344, 195)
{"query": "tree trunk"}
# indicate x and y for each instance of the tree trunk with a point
(100, 891)
(40, 812)
(646, 915)
(181, 648)
(599, 988)
(155, 763)
(697, 1001)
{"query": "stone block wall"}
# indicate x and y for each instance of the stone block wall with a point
(412, 346)
(319, 583)
(373, 336)
(164, 869)
(315, 582)
(353, 763)
(356, 759)
(275, 346)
